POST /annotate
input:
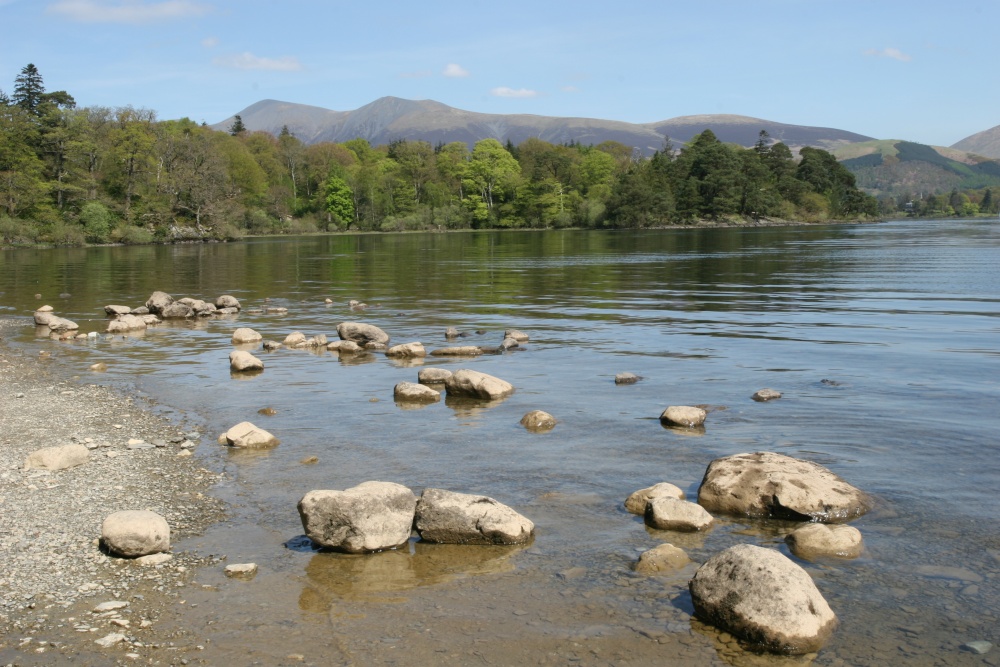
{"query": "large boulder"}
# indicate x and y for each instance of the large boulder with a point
(668, 513)
(637, 501)
(818, 540)
(372, 516)
(134, 533)
(247, 436)
(473, 384)
(128, 322)
(406, 351)
(361, 333)
(447, 517)
(763, 598)
(245, 335)
(57, 458)
(157, 301)
(684, 415)
(770, 485)
(244, 362)
(411, 391)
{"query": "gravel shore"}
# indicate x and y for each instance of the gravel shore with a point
(53, 573)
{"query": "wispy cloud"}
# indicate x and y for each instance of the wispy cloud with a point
(455, 71)
(889, 52)
(569, 89)
(127, 11)
(210, 42)
(247, 60)
(504, 91)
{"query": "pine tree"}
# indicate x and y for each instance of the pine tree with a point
(237, 128)
(28, 89)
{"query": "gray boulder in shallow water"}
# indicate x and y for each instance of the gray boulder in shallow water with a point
(176, 310)
(57, 458)
(684, 415)
(433, 375)
(157, 301)
(134, 533)
(447, 517)
(519, 336)
(247, 436)
(227, 301)
(361, 333)
(538, 420)
(818, 540)
(128, 322)
(112, 310)
(245, 335)
(406, 351)
(770, 485)
(668, 513)
(763, 598)
(473, 384)
(637, 501)
(411, 391)
(626, 378)
(244, 362)
(764, 395)
(372, 516)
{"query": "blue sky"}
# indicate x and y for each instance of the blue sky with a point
(892, 69)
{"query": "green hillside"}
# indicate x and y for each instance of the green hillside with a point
(894, 167)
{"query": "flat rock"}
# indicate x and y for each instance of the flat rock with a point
(411, 391)
(112, 310)
(128, 322)
(406, 351)
(770, 485)
(818, 540)
(372, 516)
(447, 517)
(245, 335)
(667, 513)
(133, 533)
(763, 598)
(684, 415)
(107, 641)
(637, 501)
(626, 378)
(247, 436)
(241, 570)
(110, 605)
(519, 336)
(152, 560)
(459, 351)
(344, 347)
(57, 458)
(473, 384)
(661, 559)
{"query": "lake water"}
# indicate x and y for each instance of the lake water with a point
(884, 339)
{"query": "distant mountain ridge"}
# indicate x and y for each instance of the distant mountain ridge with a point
(896, 167)
(985, 143)
(392, 118)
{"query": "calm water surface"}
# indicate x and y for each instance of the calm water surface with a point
(885, 340)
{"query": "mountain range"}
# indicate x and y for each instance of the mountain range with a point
(881, 166)
(391, 118)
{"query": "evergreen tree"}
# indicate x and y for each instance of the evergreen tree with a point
(28, 89)
(237, 128)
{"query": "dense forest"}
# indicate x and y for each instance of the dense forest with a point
(71, 175)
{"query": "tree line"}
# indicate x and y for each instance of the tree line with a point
(71, 175)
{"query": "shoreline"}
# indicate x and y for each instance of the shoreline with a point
(54, 573)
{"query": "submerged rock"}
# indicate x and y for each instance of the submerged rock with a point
(460, 351)
(770, 485)
(764, 395)
(818, 540)
(661, 559)
(763, 598)
(627, 378)
(538, 420)
(519, 336)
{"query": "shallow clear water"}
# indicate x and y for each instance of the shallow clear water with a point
(901, 320)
